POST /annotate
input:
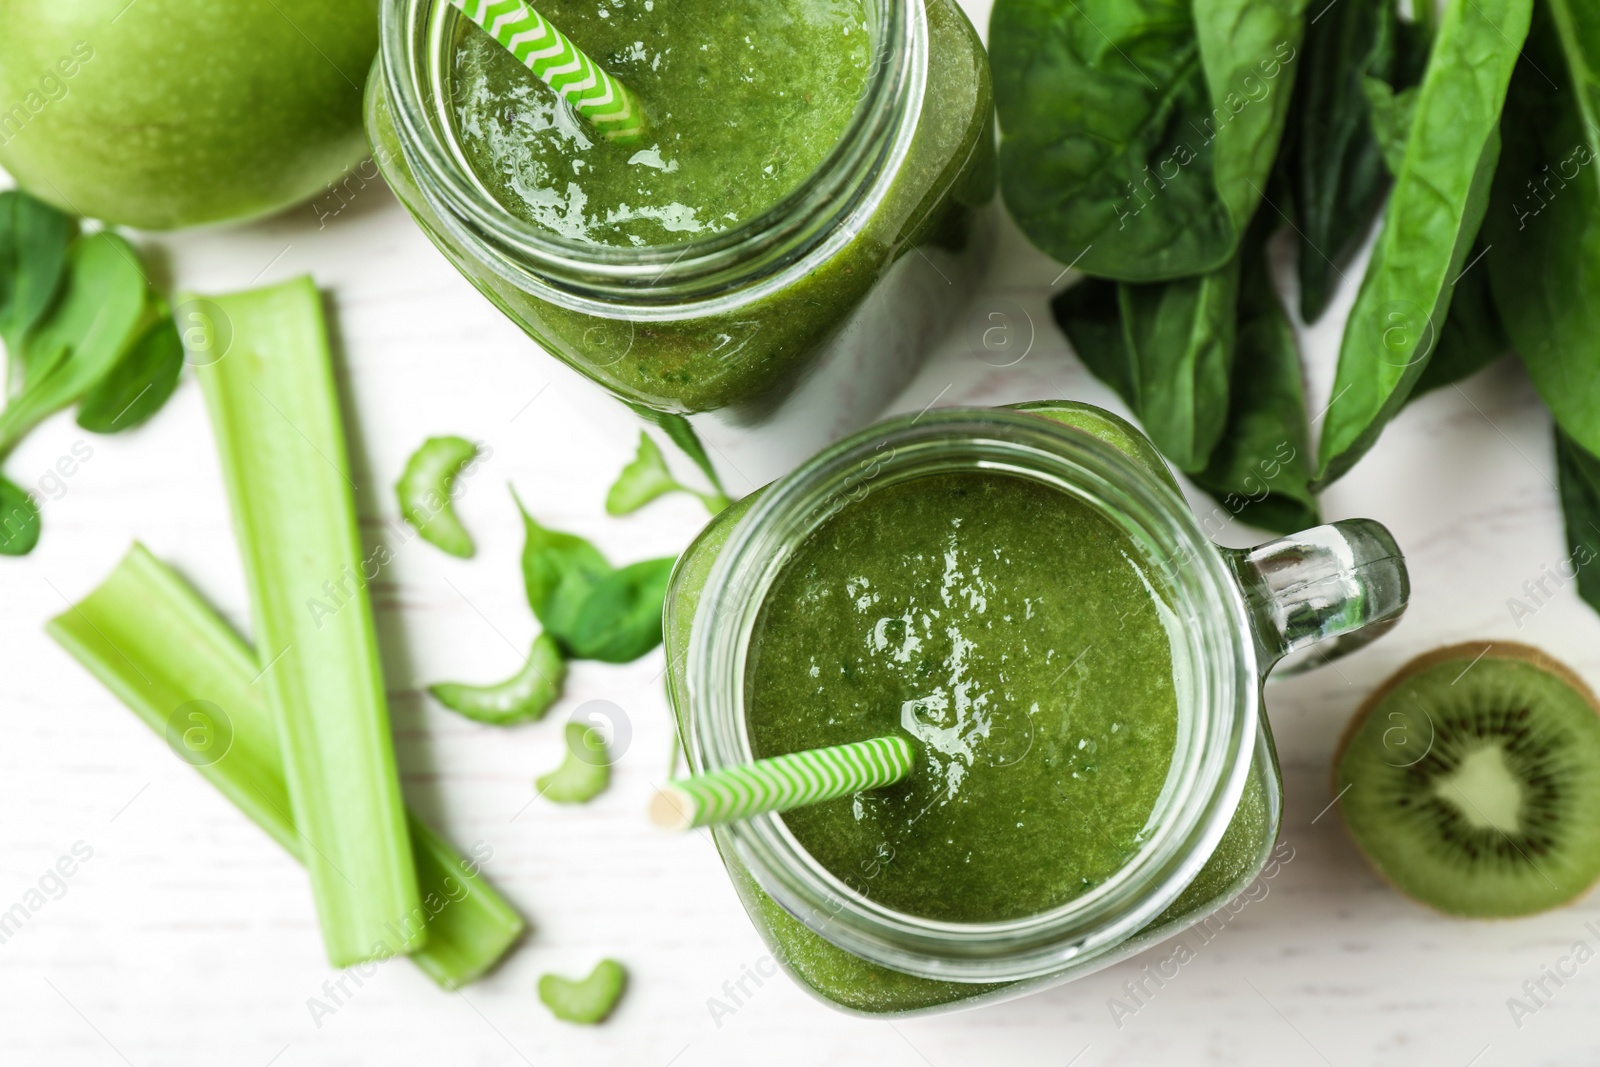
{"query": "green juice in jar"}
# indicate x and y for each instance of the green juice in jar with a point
(1010, 631)
(744, 101)
(812, 199)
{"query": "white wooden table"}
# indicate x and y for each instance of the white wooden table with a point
(188, 937)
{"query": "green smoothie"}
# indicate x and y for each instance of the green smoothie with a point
(1010, 631)
(747, 98)
(1035, 579)
(744, 101)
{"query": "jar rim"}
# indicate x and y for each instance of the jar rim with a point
(1215, 673)
(823, 212)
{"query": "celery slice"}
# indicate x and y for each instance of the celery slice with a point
(148, 636)
(275, 413)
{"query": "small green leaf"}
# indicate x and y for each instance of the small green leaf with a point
(426, 491)
(588, 1000)
(646, 478)
(681, 433)
(19, 519)
(620, 620)
(524, 697)
(33, 255)
(559, 570)
(83, 337)
(141, 382)
(641, 481)
(584, 772)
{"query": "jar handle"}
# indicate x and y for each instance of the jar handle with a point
(1344, 583)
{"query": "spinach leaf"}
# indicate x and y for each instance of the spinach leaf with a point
(1335, 167)
(1473, 336)
(33, 254)
(1166, 348)
(1433, 215)
(646, 478)
(681, 433)
(1544, 223)
(1391, 113)
(83, 337)
(140, 383)
(559, 571)
(1578, 472)
(592, 610)
(621, 618)
(1137, 134)
(1260, 469)
(1091, 317)
(19, 519)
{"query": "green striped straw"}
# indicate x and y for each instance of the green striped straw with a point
(608, 104)
(781, 783)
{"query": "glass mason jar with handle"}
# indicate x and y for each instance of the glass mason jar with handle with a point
(832, 293)
(1235, 615)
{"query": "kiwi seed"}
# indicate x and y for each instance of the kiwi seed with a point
(1471, 780)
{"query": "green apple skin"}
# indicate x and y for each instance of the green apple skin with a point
(162, 114)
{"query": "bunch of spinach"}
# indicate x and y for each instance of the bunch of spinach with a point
(80, 325)
(1159, 144)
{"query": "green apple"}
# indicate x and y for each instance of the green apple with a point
(167, 113)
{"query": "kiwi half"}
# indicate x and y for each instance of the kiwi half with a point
(1471, 780)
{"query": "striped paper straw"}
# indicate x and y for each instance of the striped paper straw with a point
(608, 104)
(781, 783)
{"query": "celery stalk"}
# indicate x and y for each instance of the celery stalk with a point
(275, 414)
(147, 635)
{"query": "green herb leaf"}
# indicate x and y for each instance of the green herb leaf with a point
(559, 571)
(1335, 166)
(426, 491)
(83, 337)
(646, 477)
(642, 480)
(620, 620)
(1433, 215)
(140, 383)
(149, 638)
(584, 772)
(681, 433)
(524, 697)
(19, 519)
(586, 1001)
(1169, 355)
(33, 256)
(1546, 249)
(1578, 472)
(1137, 136)
(1261, 467)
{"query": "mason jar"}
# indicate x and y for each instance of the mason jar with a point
(816, 311)
(1235, 615)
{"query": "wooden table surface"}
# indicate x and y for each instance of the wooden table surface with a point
(188, 938)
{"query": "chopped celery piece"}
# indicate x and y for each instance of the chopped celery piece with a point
(585, 1001)
(147, 635)
(524, 697)
(426, 491)
(584, 772)
(275, 414)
